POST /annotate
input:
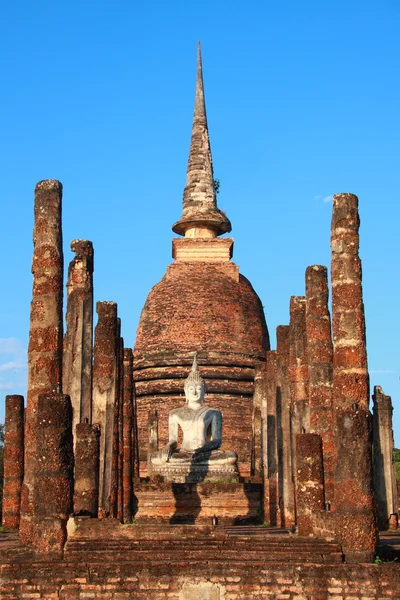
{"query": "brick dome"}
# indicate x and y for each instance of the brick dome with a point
(210, 308)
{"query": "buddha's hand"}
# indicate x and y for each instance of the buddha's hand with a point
(168, 451)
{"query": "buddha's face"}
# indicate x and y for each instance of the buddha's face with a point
(194, 392)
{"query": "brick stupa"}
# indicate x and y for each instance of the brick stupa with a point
(202, 304)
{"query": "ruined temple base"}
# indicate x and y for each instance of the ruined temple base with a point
(191, 503)
(109, 561)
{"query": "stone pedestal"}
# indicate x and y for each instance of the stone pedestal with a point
(197, 473)
(231, 503)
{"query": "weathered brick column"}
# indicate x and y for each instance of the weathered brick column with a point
(353, 501)
(256, 467)
(385, 487)
(54, 478)
(298, 366)
(78, 341)
(152, 432)
(127, 436)
(320, 368)
(115, 469)
(121, 431)
(46, 331)
(13, 461)
(86, 474)
(271, 497)
(104, 394)
(310, 500)
(298, 374)
(135, 436)
(284, 447)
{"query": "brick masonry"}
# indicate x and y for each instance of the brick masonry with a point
(78, 340)
(46, 331)
(219, 580)
(353, 496)
(13, 461)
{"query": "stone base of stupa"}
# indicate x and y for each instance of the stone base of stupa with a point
(231, 503)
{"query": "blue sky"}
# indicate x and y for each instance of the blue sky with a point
(303, 102)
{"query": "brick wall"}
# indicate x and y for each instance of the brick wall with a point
(196, 580)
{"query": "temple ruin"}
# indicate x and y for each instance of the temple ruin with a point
(104, 497)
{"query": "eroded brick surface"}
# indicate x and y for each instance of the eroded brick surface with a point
(353, 498)
(13, 461)
(320, 368)
(46, 331)
(78, 341)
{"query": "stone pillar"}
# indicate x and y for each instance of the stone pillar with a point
(78, 341)
(271, 496)
(121, 431)
(320, 368)
(385, 487)
(13, 461)
(127, 436)
(310, 500)
(284, 450)
(135, 436)
(54, 477)
(86, 474)
(298, 368)
(298, 375)
(258, 398)
(104, 393)
(115, 479)
(353, 501)
(152, 436)
(46, 331)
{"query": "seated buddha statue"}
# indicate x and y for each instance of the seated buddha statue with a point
(202, 437)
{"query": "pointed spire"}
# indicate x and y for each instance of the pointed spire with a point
(200, 216)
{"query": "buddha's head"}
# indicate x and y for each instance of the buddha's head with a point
(194, 385)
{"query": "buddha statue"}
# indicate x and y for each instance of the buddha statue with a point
(199, 457)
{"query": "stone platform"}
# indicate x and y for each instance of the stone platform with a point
(109, 561)
(231, 503)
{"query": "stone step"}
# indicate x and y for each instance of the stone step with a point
(287, 549)
(206, 557)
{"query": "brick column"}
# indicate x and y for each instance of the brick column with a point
(86, 474)
(271, 497)
(115, 469)
(385, 487)
(46, 331)
(354, 503)
(284, 449)
(310, 499)
(104, 394)
(54, 478)
(78, 341)
(258, 401)
(127, 436)
(298, 375)
(121, 431)
(152, 431)
(320, 368)
(135, 436)
(298, 367)
(13, 461)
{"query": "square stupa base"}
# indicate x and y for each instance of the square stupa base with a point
(191, 503)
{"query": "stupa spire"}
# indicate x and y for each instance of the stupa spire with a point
(201, 218)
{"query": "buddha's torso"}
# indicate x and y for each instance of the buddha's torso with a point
(195, 425)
